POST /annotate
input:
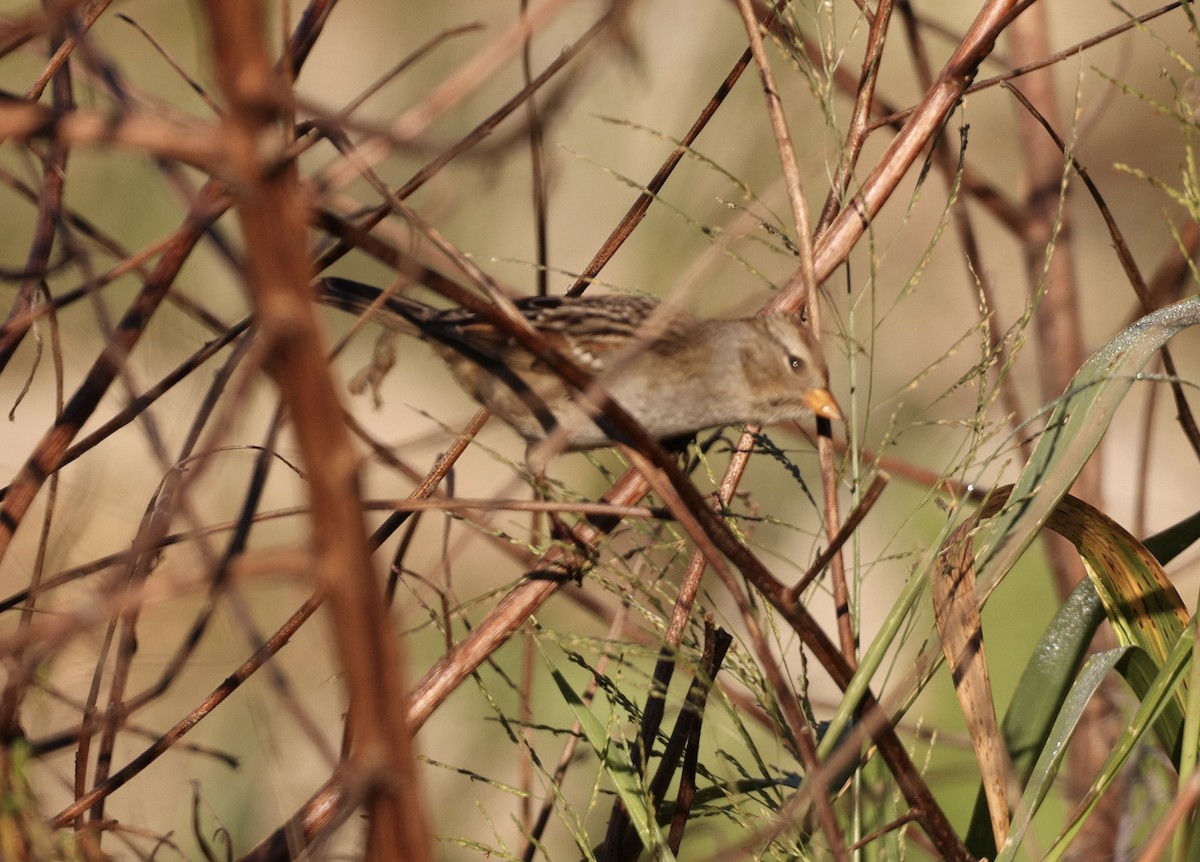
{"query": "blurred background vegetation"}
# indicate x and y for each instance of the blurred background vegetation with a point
(948, 343)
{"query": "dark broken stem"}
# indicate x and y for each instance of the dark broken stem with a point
(617, 843)
(687, 731)
(622, 842)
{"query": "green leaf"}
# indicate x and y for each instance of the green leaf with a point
(617, 767)
(1174, 540)
(1046, 768)
(1160, 696)
(1039, 697)
(1072, 433)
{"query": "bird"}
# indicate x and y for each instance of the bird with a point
(674, 373)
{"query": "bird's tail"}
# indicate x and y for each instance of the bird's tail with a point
(389, 309)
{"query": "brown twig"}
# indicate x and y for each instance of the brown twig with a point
(50, 202)
(840, 538)
(637, 211)
(274, 220)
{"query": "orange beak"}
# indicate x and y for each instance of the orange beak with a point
(821, 402)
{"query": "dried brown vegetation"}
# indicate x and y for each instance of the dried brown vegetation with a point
(245, 605)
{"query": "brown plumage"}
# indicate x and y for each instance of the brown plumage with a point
(672, 372)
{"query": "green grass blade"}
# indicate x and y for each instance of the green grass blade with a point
(1160, 696)
(1072, 433)
(1046, 768)
(1174, 540)
(618, 769)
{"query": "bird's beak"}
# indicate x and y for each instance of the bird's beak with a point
(821, 402)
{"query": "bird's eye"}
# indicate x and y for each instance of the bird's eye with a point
(795, 362)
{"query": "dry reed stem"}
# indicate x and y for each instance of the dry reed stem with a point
(273, 216)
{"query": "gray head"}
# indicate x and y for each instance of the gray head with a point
(785, 371)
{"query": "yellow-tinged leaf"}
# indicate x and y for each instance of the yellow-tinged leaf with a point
(956, 609)
(1140, 602)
